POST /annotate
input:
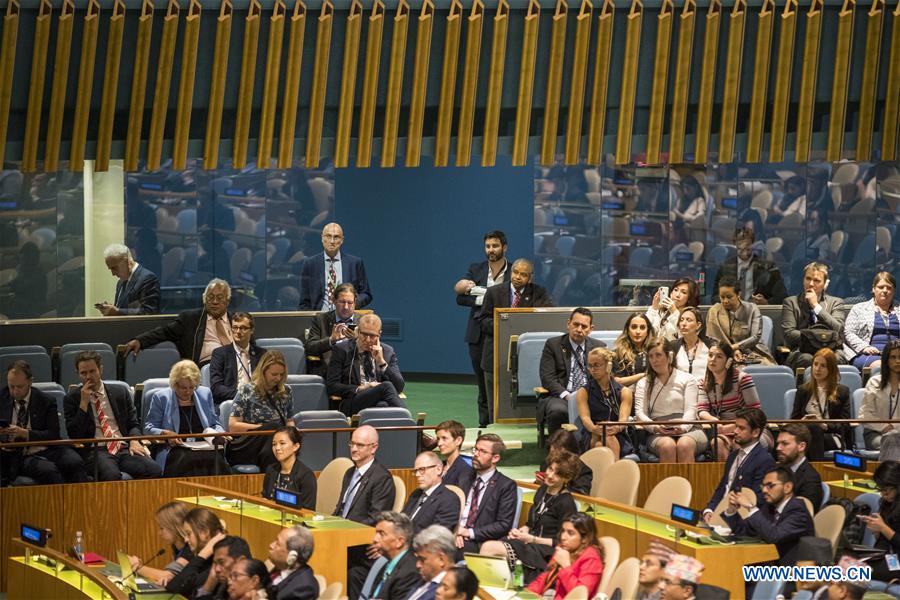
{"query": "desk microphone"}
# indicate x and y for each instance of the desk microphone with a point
(134, 570)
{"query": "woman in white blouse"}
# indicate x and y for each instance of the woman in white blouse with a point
(667, 394)
(691, 349)
(664, 312)
(882, 397)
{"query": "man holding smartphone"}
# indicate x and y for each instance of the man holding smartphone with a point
(330, 327)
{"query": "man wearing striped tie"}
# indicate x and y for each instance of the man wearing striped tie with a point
(322, 273)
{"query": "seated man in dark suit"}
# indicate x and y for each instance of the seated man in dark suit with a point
(29, 415)
(435, 550)
(196, 332)
(432, 503)
(226, 553)
(330, 327)
(94, 410)
(367, 488)
(793, 440)
(450, 436)
(292, 577)
(748, 463)
(759, 279)
(321, 273)
(393, 540)
(137, 291)
(564, 369)
(782, 520)
(364, 372)
(812, 312)
(233, 365)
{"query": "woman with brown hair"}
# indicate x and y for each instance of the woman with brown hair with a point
(577, 559)
(664, 311)
(822, 397)
(202, 529)
(169, 519)
(630, 362)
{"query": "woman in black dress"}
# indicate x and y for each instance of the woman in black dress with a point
(823, 397)
(289, 473)
(885, 524)
(602, 399)
(562, 439)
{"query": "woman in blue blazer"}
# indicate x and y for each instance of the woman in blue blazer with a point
(185, 408)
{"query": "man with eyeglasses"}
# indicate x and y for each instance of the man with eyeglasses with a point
(432, 503)
(321, 273)
(363, 371)
(233, 365)
(330, 327)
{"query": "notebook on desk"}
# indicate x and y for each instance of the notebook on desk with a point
(135, 582)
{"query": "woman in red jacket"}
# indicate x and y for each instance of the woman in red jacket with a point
(578, 559)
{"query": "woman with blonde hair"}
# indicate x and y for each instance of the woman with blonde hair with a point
(603, 399)
(169, 519)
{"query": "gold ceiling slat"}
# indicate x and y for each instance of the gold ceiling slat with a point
(217, 87)
(448, 84)
(526, 84)
(892, 95)
(781, 101)
(660, 81)
(7, 66)
(319, 85)
(469, 83)
(245, 90)
(731, 95)
(163, 83)
(755, 127)
(682, 89)
(842, 56)
(707, 81)
(806, 104)
(110, 85)
(395, 85)
(602, 57)
(186, 86)
(419, 82)
(495, 86)
(629, 82)
(270, 86)
(554, 81)
(374, 36)
(138, 86)
(64, 24)
(85, 85)
(348, 84)
(869, 81)
(36, 88)
(579, 73)
(291, 87)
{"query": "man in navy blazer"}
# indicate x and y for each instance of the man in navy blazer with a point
(330, 327)
(137, 291)
(748, 462)
(226, 370)
(367, 487)
(293, 579)
(782, 520)
(316, 282)
(793, 441)
(431, 503)
(470, 292)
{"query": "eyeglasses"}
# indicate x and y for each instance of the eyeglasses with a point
(369, 336)
(769, 486)
(596, 365)
(216, 297)
(235, 575)
(242, 328)
(421, 470)
(480, 451)
(359, 445)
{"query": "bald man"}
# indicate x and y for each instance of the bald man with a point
(432, 503)
(321, 273)
(367, 487)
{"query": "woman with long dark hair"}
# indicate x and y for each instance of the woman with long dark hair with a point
(289, 473)
(577, 560)
(823, 397)
(630, 362)
(882, 397)
(665, 312)
(885, 524)
(691, 349)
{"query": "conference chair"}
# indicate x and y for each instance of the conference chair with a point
(319, 449)
(607, 336)
(459, 494)
(749, 497)
(624, 579)
(328, 485)
(577, 593)
(332, 592)
(829, 522)
(370, 578)
(766, 590)
(68, 352)
(224, 414)
(291, 348)
(826, 494)
(36, 357)
(788, 407)
(153, 362)
(307, 393)
(396, 449)
(55, 391)
(204, 375)
(399, 493)
(669, 491)
(767, 332)
(620, 483)
(611, 553)
(873, 501)
(144, 393)
(771, 387)
(520, 496)
(598, 460)
(856, 399)
(524, 367)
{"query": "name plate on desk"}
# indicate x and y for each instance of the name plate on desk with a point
(287, 498)
(35, 535)
(843, 460)
(684, 514)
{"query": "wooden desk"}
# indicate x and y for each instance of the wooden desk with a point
(851, 488)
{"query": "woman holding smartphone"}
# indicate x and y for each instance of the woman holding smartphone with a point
(667, 305)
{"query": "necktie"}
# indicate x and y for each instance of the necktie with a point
(22, 415)
(425, 590)
(776, 516)
(517, 297)
(331, 283)
(369, 363)
(384, 575)
(222, 333)
(473, 505)
(578, 376)
(105, 427)
(732, 474)
(244, 371)
(351, 493)
(418, 506)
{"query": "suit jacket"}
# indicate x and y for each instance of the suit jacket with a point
(140, 294)
(440, 508)
(43, 418)
(497, 296)
(318, 341)
(808, 483)
(840, 410)
(343, 369)
(478, 272)
(795, 317)
(165, 416)
(402, 580)
(794, 523)
(767, 279)
(186, 331)
(303, 481)
(312, 280)
(459, 474)
(496, 510)
(300, 584)
(223, 370)
(80, 424)
(375, 492)
(556, 362)
(749, 474)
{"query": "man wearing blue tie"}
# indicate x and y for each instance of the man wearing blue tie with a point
(137, 291)
(322, 273)
(435, 548)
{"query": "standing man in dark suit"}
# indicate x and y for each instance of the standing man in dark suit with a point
(232, 366)
(329, 328)
(393, 540)
(97, 411)
(564, 368)
(293, 579)
(759, 279)
(321, 273)
(748, 463)
(137, 291)
(782, 520)
(30, 415)
(518, 292)
(793, 440)
(196, 332)
(812, 311)
(431, 503)
(470, 292)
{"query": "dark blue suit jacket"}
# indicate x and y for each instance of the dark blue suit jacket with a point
(342, 377)
(478, 272)
(140, 295)
(497, 509)
(794, 523)
(223, 375)
(440, 508)
(459, 474)
(750, 474)
(312, 280)
(43, 417)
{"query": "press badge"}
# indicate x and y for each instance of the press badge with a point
(893, 564)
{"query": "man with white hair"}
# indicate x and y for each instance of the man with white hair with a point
(137, 291)
(196, 332)
(435, 549)
(292, 576)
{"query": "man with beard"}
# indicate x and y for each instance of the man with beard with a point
(793, 441)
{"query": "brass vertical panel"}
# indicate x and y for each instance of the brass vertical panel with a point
(245, 90)
(85, 85)
(707, 81)
(64, 24)
(217, 87)
(842, 57)
(270, 86)
(526, 84)
(163, 83)
(7, 66)
(660, 81)
(319, 82)
(892, 95)
(291, 87)
(138, 86)
(783, 70)
(348, 84)
(554, 81)
(110, 85)
(869, 81)
(36, 88)
(629, 82)
(395, 85)
(597, 125)
(755, 127)
(420, 79)
(448, 84)
(731, 95)
(682, 87)
(579, 73)
(186, 85)
(495, 85)
(374, 36)
(470, 81)
(807, 102)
